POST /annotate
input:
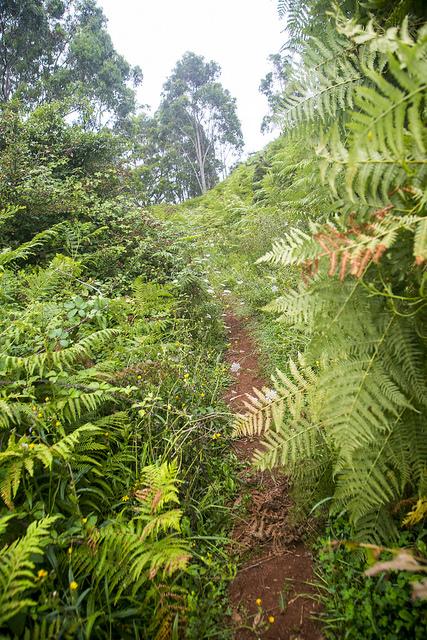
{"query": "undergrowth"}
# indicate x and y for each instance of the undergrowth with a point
(355, 606)
(115, 468)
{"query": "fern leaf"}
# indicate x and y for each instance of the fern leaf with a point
(420, 242)
(17, 565)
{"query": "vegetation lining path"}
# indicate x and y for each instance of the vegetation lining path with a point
(277, 566)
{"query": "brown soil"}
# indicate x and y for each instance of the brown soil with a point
(274, 563)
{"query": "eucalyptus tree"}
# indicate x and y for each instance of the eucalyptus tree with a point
(199, 120)
(159, 173)
(273, 85)
(61, 50)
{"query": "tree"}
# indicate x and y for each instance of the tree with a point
(30, 41)
(273, 85)
(159, 173)
(53, 171)
(199, 121)
(60, 50)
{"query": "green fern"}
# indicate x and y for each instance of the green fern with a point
(20, 457)
(152, 298)
(323, 84)
(130, 554)
(387, 140)
(17, 565)
(61, 359)
(351, 424)
(27, 249)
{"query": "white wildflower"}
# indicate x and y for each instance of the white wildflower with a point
(274, 288)
(235, 367)
(270, 395)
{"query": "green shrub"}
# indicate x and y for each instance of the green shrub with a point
(355, 606)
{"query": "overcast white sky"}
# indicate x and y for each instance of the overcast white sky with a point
(238, 34)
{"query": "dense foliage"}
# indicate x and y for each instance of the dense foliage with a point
(61, 50)
(355, 404)
(109, 379)
(115, 472)
(357, 606)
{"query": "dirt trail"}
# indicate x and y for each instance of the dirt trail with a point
(277, 565)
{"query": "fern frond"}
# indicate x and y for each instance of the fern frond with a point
(17, 566)
(266, 407)
(66, 445)
(297, 15)
(159, 486)
(28, 248)
(341, 252)
(297, 247)
(387, 144)
(324, 83)
(20, 457)
(152, 298)
(124, 562)
(127, 554)
(404, 348)
(61, 359)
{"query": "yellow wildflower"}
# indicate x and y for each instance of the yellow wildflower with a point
(57, 423)
(31, 446)
(216, 436)
(73, 585)
(70, 550)
(40, 415)
(84, 520)
(139, 378)
(258, 602)
(202, 395)
(42, 573)
(47, 399)
(271, 619)
(125, 498)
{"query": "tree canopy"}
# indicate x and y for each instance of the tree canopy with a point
(200, 120)
(273, 85)
(61, 50)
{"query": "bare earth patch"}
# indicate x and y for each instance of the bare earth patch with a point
(277, 567)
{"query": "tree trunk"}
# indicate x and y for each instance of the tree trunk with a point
(200, 159)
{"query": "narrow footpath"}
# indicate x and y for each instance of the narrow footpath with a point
(271, 596)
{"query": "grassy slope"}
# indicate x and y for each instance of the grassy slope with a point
(235, 223)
